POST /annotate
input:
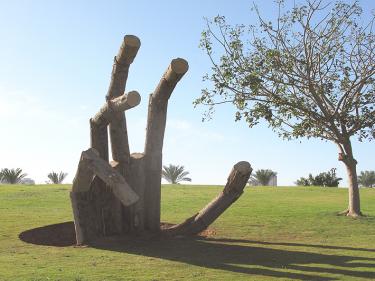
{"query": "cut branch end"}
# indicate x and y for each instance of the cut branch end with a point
(243, 167)
(176, 70)
(133, 98)
(126, 101)
(128, 50)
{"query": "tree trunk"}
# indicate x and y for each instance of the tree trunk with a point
(237, 180)
(354, 209)
(118, 128)
(346, 156)
(137, 181)
(104, 208)
(97, 216)
(156, 120)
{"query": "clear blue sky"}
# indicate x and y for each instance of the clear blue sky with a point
(55, 65)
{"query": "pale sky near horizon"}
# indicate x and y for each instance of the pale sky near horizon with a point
(55, 64)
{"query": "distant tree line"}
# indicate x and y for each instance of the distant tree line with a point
(367, 179)
(329, 179)
(11, 176)
(326, 179)
(17, 176)
(175, 174)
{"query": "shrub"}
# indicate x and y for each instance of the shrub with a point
(367, 178)
(326, 179)
(57, 178)
(11, 176)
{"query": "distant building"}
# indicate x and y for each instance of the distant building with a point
(272, 182)
(27, 181)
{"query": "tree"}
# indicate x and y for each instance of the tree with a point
(12, 176)
(303, 181)
(309, 73)
(326, 179)
(263, 176)
(57, 178)
(367, 178)
(175, 174)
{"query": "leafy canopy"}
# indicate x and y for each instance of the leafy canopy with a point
(367, 178)
(57, 178)
(326, 179)
(310, 73)
(175, 174)
(11, 176)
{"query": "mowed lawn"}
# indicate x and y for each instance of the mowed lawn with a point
(268, 234)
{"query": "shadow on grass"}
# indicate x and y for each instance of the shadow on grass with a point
(226, 240)
(58, 235)
(245, 257)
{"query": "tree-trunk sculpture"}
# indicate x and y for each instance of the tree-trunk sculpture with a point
(123, 196)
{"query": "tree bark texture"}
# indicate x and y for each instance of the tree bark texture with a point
(156, 120)
(106, 214)
(346, 156)
(136, 212)
(117, 128)
(124, 196)
(236, 182)
(93, 215)
(105, 211)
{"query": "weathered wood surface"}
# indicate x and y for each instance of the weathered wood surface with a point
(102, 200)
(79, 219)
(111, 108)
(117, 128)
(91, 164)
(122, 61)
(99, 139)
(137, 181)
(104, 208)
(156, 121)
(232, 191)
(93, 209)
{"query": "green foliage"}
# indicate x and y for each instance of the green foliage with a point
(262, 177)
(326, 179)
(11, 176)
(308, 74)
(57, 178)
(304, 181)
(367, 178)
(175, 174)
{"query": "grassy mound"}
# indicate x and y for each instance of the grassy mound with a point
(268, 234)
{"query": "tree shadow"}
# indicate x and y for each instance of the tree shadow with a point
(58, 235)
(230, 240)
(243, 257)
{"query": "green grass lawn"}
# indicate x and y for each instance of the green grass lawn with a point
(268, 234)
